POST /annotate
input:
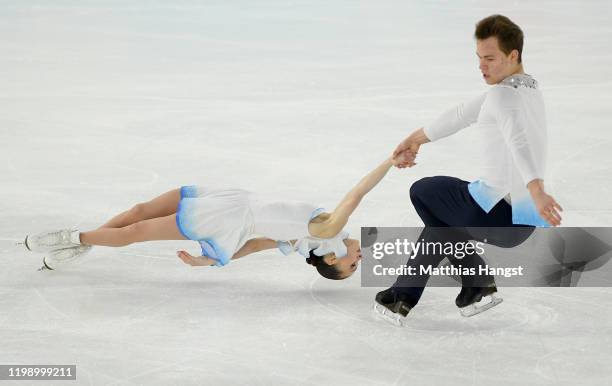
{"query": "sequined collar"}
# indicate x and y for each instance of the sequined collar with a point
(517, 80)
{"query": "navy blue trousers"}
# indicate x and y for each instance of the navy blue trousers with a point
(444, 202)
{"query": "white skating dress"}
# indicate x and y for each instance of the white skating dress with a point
(222, 220)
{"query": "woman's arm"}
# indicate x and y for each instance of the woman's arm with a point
(251, 246)
(338, 219)
(254, 245)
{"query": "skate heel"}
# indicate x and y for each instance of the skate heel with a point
(485, 303)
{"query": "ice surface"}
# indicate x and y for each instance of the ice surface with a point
(106, 104)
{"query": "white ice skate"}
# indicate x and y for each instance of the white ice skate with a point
(64, 256)
(51, 241)
(487, 302)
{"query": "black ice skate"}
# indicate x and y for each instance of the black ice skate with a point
(474, 300)
(393, 307)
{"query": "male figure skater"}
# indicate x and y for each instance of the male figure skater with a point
(511, 191)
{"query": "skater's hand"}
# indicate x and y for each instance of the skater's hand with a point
(405, 154)
(410, 145)
(548, 208)
(546, 205)
(195, 261)
(404, 159)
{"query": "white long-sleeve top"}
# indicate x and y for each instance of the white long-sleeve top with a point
(513, 116)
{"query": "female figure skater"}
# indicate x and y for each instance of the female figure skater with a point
(225, 222)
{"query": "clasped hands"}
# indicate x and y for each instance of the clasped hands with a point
(405, 153)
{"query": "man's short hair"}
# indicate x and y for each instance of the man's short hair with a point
(508, 34)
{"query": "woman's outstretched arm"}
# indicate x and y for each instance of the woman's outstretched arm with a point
(251, 246)
(338, 219)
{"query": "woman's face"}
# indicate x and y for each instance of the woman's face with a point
(347, 264)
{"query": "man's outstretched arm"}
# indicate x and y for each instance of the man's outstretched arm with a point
(450, 122)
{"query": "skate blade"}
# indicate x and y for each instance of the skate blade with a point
(486, 303)
(44, 267)
(387, 315)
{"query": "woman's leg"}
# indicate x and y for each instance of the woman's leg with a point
(161, 206)
(159, 228)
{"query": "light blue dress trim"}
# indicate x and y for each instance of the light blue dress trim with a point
(178, 222)
(182, 222)
(209, 247)
(189, 191)
(212, 250)
(284, 246)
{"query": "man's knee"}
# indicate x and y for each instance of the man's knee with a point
(421, 189)
(428, 187)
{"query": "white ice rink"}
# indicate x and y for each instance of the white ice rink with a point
(104, 104)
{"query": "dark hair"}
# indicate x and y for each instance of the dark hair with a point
(324, 269)
(509, 35)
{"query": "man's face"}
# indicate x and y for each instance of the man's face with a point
(494, 64)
